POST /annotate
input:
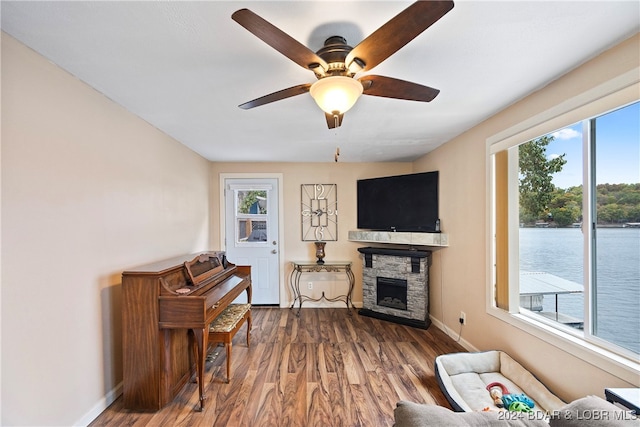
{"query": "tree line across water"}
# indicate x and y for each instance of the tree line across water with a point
(541, 201)
(617, 204)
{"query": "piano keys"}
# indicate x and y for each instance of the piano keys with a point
(166, 311)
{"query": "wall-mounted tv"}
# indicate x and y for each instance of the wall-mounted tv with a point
(406, 203)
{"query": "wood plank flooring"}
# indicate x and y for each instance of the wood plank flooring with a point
(323, 368)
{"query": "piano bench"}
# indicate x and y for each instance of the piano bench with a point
(225, 326)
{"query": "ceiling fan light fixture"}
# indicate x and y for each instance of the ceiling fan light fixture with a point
(336, 94)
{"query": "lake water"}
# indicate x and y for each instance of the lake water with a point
(559, 251)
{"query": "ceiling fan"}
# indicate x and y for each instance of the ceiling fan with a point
(336, 63)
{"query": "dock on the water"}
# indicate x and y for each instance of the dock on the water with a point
(535, 285)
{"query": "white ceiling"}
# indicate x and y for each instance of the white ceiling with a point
(185, 66)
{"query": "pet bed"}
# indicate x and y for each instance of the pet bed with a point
(463, 378)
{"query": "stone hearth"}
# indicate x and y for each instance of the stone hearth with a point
(411, 266)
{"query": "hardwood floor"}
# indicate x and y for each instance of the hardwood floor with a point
(324, 368)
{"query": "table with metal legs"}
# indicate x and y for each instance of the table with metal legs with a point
(300, 267)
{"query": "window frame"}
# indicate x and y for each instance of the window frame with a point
(613, 94)
(235, 188)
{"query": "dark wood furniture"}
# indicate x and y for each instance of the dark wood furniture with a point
(166, 311)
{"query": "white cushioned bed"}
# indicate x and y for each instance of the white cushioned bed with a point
(463, 378)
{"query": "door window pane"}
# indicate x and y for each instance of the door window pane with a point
(251, 230)
(251, 216)
(251, 202)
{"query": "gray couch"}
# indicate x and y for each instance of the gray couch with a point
(590, 411)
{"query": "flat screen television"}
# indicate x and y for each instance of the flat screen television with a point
(406, 203)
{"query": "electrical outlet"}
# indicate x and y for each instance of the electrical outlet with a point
(463, 318)
(310, 285)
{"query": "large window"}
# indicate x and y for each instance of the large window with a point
(567, 227)
(615, 205)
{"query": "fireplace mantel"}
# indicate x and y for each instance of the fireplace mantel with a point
(400, 238)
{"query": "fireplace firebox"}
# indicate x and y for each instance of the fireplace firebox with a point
(392, 292)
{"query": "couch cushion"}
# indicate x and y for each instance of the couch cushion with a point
(592, 411)
(409, 414)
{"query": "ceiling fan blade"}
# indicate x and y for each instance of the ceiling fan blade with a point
(279, 40)
(277, 96)
(389, 87)
(397, 32)
(333, 120)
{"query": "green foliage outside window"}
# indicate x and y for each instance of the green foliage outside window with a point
(247, 199)
(536, 173)
(540, 200)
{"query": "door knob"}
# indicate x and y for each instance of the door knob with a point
(274, 243)
(274, 251)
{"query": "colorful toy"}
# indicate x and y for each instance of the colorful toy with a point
(496, 391)
(513, 402)
(519, 407)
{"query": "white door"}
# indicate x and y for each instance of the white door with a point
(251, 233)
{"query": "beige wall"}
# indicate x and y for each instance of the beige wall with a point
(88, 190)
(345, 176)
(463, 211)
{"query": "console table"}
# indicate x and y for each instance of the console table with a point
(300, 267)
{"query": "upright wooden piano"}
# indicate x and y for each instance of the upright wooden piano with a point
(166, 311)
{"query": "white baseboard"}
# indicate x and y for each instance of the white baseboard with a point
(100, 406)
(454, 335)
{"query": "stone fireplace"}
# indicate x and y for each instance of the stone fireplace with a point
(395, 285)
